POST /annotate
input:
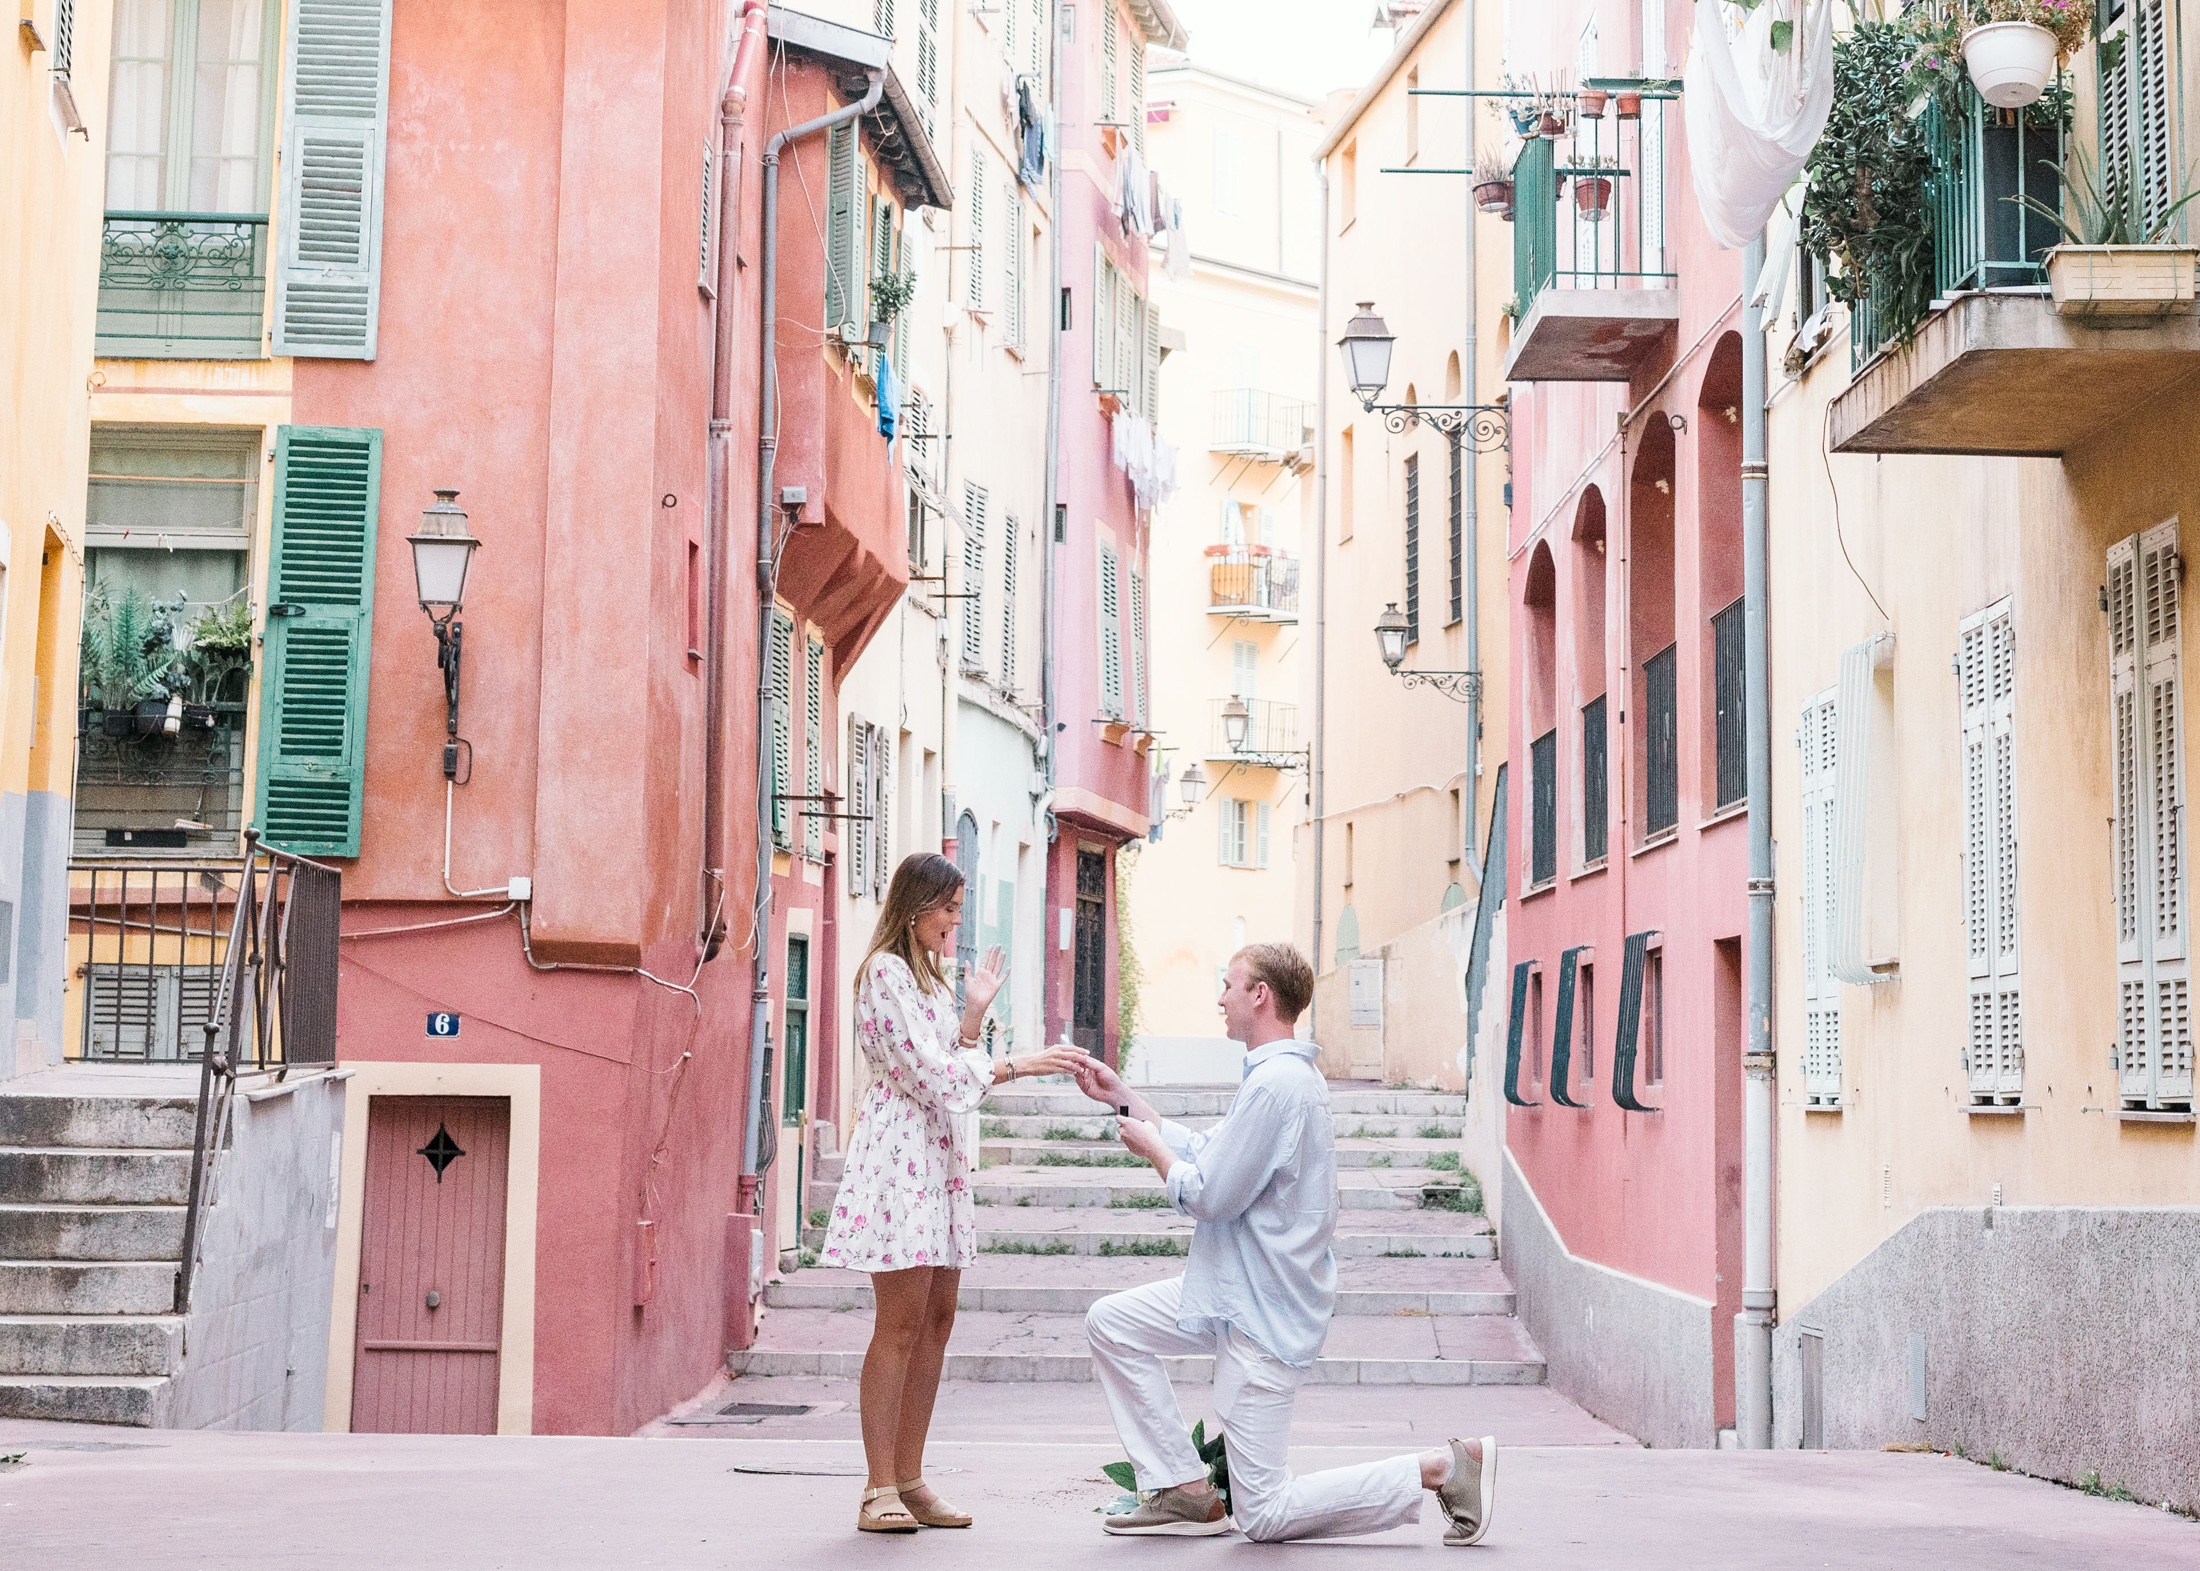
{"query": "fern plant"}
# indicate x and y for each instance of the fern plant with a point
(126, 655)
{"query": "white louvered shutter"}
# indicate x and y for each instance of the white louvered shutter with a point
(1109, 27)
(2154, 1016)
(1009, 531)
(1986, 681)
(1012, 304)
(1260, 848)
(840, 224)
(928, 65)
(813, 748)
(1111, 637)
(708, 228)
(974, 506)
(2154, 74)
(1138, 96)
(1150, 372)
(328, 283)
(1135, 705)
(1036, 41)
(1130, 327)
(856, 798)
(1103, 317)
(881, 810)
(1819, 741)
(782, 684)
(974, 290)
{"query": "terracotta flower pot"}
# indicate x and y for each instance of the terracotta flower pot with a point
(1494, 196)
(1553, 125)
(1592, 196)
(1630, 106)
(1590, 101)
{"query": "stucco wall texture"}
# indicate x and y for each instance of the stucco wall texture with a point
(2060, 1337)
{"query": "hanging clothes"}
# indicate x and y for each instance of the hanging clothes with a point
(1754, 112)
(1135, 193)
(1031, 165)
(1178, 262)
(889, 398)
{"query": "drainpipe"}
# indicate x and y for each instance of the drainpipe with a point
(767, 511)
(1316, 760)
(1049, 620)
(1473, 543)
(1753, 1326)
(732, 116)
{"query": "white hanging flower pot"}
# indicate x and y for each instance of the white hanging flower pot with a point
(2011, 63)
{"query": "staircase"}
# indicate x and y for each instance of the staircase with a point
(1065, 1218)
(92, 1188)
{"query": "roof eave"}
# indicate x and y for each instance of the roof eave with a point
(1376, 86)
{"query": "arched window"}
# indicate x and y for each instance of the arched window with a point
(1718, 432)
(1539, 621)
(1451, 378)
(1652, 655)
(1587, 588)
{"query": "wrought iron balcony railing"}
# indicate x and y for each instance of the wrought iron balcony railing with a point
(1271, 729)
(1249, 581)
(182, 286)
(1589, 207)
(141, 790)
(1252, 424)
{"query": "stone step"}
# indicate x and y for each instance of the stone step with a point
(84, 1232)
(1072, 1284)
(1396, 1349)
(138, 1400)
(85, 1175)
(90, 1344)
(1180, 1102)
(87, 1287)
(147, 1122)
(1364, 1189)
(1089, 1125)
(1351, 1153)
(1361, 1235)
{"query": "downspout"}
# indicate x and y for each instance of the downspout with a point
(1753, 1326)
(767, 454)
(1473, 543)
(732, 116)
(1049, 622)
(1317, 760)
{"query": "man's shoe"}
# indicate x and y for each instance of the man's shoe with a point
(1174, 1512)
(1469, 1493)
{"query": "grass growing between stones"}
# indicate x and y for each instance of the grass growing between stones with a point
(1401, 1254)
(1140, 1203)
(994, 1129)
(1142, 1247)
(1089, 1159)
(1017, 1246)
(1442, 1162)
(1435, 1132)
(1461, 1194)
(1381, 1160)
(1065, 1132)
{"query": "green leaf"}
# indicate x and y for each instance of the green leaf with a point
(1122, 1475)
(1783, 34)
(1199, 1438)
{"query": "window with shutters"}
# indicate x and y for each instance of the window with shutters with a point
(1543, 829)
(1109, 28)
(1245, 670)
(846, 207)
(1986, 684)
(1138, 96)
(880, 805)
(1150, 367)
(855, 840)
(1035, 45)
(1413, 548)
(1661, 773)
(313, 687)
(2153, 958)
(1009, 531)
(882, 18)
(975, 502)
(1730, 726)
(1457, 519)
(1244, 833)
(329, 271)
(1596, 802)
(928, 65)
(782, 687)
(974, 237)
(1012, 269)
(1111, 636)
(169, 519)
(2137, 125)
(1818, 740)
(813, 748)
(1135, 705)
(190, 138)
(708, 229)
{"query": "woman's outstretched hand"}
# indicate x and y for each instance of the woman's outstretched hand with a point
(980, 987)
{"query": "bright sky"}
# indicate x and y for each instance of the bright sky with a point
(1308, 47)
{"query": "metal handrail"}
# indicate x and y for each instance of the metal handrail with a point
(1253, 583)
(286, 936)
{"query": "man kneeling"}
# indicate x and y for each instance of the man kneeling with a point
(1257, 1295)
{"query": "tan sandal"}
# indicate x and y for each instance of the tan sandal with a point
(895, 1518)
(938, 1514)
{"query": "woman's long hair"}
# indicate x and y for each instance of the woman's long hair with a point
(924, 882)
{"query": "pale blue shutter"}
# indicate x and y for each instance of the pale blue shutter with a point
(1136, 705)
(813, 748)
(1260, 857)
(856, 798)
(320, 622)
(974, 279)
(840, 224)
(782, 680)
(328, 280)
(974, 506)
(1111, 636)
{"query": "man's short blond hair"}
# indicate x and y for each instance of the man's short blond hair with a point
(1290, 979)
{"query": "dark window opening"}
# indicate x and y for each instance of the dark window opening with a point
(1535, 1027)
(1730, 668)
(1596, 810)
(1661, 773)
(1653, 1017)
(1543, 764)
(1585, 1039)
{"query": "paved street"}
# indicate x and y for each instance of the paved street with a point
(1025, 1459)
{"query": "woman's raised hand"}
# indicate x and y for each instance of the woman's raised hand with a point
(980, 987)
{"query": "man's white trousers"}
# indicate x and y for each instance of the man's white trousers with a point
(1132, 1332)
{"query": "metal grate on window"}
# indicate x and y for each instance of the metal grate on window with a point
(1543, 837)
(1729, 668)
(1661, 771)
(1595, 783)
(1413, 548)
(1458, 533)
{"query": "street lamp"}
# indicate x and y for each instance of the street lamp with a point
(1235, 719)
(442, 549)
(1366, 346)
(1193, 786)
(1390, 637)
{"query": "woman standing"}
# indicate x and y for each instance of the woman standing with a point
(904, 1211)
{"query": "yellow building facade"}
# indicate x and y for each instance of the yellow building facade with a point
(53, 96)
(1987, 1160)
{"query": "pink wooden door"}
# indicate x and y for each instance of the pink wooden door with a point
(431, 1266)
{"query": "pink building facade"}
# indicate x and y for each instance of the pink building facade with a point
(1628, 811)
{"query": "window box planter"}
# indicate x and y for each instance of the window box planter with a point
(2133, 281)
(1494, 196)
(2010, 63)
(117, 723)
(152, 716)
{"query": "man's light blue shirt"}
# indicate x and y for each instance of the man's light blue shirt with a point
(1262, 1185)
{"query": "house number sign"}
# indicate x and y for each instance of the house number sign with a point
(442, 1025)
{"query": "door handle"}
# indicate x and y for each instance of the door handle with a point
(435, 1299)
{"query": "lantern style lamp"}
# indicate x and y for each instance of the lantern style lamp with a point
(1390, 636)
(442, 550)
(1366, 347)
(1235, 719)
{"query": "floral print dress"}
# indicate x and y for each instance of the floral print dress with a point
(904, 1195)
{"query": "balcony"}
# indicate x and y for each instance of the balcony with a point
(1993, 370)
(1592, 281)
(1266, 428)
(182, 286)
(1252, 583)
(1271, 734)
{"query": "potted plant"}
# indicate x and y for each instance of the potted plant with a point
(127, 661)
(2012, 54)
(1493, 183)
(2115, 262)
(1557, 104)
(1591, 101)
(1593, 189)
(219, 650)
(1630, 103)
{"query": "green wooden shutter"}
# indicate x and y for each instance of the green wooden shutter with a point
(1111, 636)
(328, 284)
(813, 747)
(782, 675)
(840, 225)
(320, 621)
